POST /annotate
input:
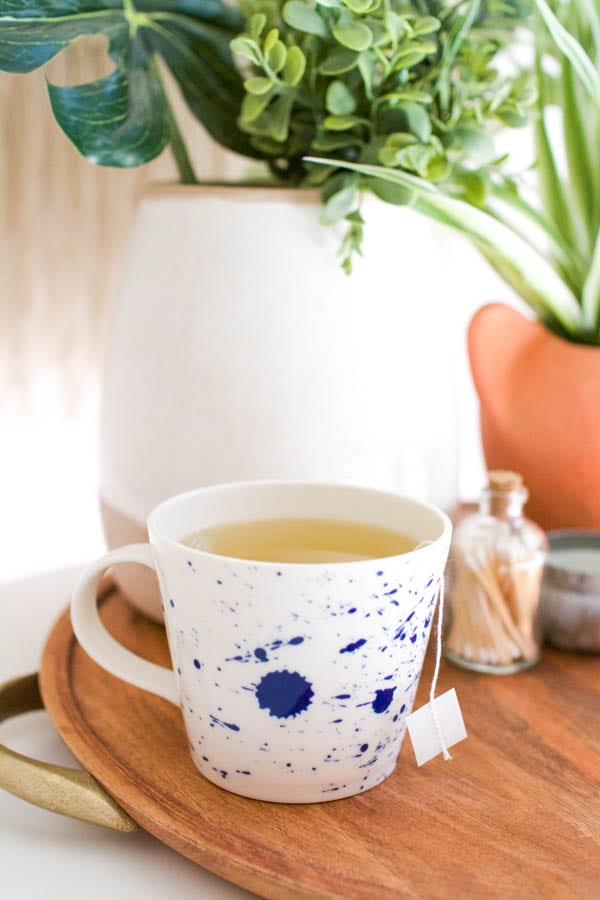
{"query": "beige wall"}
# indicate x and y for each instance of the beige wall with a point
(63, 224)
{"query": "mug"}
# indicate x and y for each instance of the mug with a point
(295, 679)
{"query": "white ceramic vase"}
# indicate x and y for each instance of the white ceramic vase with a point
(239, 349)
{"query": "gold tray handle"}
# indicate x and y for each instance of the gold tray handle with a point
(69, 792)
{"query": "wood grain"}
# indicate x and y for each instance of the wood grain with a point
(515, 814)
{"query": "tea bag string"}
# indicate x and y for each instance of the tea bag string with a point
(438, 658)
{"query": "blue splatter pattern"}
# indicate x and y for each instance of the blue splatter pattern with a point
(296, 681)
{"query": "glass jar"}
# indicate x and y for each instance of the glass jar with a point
(497, 561)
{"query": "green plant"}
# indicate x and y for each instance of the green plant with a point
(409, 84)
(548, 247)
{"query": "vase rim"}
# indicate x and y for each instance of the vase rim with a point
(228, 190)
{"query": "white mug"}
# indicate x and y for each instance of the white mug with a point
(294, 679)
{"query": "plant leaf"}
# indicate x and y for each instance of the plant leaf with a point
(300, 15)
(339, 100)
(572, 49)
(111, 119)
(258, 85)
(538, 283)
(353, 36)
(342, 123)
(338, 206)
(295, 66)
(124, 119)
(338, 61)
(590, 299)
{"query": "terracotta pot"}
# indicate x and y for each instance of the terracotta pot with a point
(540, 404)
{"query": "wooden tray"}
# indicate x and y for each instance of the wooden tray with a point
(515, 814)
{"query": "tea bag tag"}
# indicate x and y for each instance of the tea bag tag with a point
(424, 733)
(439, 724)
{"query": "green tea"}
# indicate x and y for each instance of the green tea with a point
(308, 540)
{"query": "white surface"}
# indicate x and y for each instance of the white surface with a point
(48, 857)
(49, 516)
(224, 368)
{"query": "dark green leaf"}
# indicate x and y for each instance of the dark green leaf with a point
(124, 118)
(116, 121)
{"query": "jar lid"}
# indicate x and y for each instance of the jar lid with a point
(504, 480)
(573, 561)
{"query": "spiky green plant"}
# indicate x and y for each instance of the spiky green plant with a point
(547, 248)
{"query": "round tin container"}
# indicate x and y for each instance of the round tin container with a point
(570, 594)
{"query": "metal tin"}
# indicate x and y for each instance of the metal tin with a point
(570, 596)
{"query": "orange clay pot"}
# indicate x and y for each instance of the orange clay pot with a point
(540, 413)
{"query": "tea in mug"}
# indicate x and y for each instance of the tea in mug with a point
(306, 540)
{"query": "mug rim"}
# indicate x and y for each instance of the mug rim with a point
(176, 499)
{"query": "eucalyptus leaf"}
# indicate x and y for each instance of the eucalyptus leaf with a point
(339, 100)
(253, 106)
(271, 38)
(276, 56)
(300, 15)
(338, 62)
(246, 48)
(426, 25)
(411, 55)
(257, 25)
(340, 205)
(358, 6)
(342, 123)
(353, 35)
(295, 66)
(258, 85)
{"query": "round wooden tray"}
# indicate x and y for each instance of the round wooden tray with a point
(516, 813)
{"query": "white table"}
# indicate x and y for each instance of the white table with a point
(44, 856)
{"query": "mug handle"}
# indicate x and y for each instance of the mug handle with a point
(69, 792)
(100, 645)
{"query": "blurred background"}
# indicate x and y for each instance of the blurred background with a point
(63, 231)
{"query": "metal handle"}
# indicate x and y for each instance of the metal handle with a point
(69, 792)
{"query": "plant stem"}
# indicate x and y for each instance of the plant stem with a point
(177, 144)
(180, 154)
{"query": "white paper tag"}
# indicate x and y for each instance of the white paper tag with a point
(422, 730)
